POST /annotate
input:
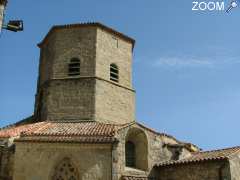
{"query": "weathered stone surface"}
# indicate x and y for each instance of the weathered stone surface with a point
(69, 99)
(217, 170)
(235, 166)
(155, 153)
(111, 49)
(90, 95)
(38, 160)
(6, 162)
(114, 104)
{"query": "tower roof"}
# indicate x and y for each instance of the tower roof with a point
(89, 24)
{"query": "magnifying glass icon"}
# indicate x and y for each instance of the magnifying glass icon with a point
(233, 4)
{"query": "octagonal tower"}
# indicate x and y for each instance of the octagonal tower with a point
(85, 74)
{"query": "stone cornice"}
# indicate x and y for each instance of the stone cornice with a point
(86, 77)
(89, 24)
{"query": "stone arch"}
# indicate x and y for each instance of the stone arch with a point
(65, 170)
(138, 142)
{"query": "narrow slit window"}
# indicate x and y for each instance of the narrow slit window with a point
(74, 67)
(114, 73)
(130, 154)
(115, 41)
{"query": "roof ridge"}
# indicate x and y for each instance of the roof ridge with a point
(19, 123)
(219, 154)
(156, 132)
(233, 153)
(96, 24)
(84, 121)
(125, 125)
(218, 150)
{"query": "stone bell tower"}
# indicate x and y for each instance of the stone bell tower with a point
(85, 74)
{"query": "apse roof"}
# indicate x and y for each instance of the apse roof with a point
(202, 156)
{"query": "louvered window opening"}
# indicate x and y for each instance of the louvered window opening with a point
(74, 67)
(114, 73)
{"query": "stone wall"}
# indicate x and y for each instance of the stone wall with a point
(69, 99)
(156, 153)
(62, 46)
(113, 103)
(75, 43)
(87, 99)
(38, 160)
(211, 170)
(112, 49)
(56, 53)
(235, 166)
(6, 162)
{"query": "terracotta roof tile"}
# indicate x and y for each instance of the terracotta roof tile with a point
(63, 131)
(74, 129)
(13, 131)
(71, 139)
(221, 154)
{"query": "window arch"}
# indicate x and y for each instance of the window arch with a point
(130, 154)
(114, 73)
(136, 149)
(74, 67)
(65, 171)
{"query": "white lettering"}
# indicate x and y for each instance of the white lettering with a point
(202, 6)
(195, 4)
(211, 6)
(220, 7)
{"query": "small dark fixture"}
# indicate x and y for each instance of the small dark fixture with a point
(15, 26)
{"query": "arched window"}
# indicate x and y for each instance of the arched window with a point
(114, 73)
(130, 154)
(74, 67)
(136, 149)
(65, 171)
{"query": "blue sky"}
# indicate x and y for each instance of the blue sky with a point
(186, 63)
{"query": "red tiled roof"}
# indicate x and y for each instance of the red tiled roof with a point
(74, 129)
(221, 154)
(63, 131)
(65, 139)
(67, 131)
(13, 131)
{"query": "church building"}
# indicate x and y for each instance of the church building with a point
(84, 126)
